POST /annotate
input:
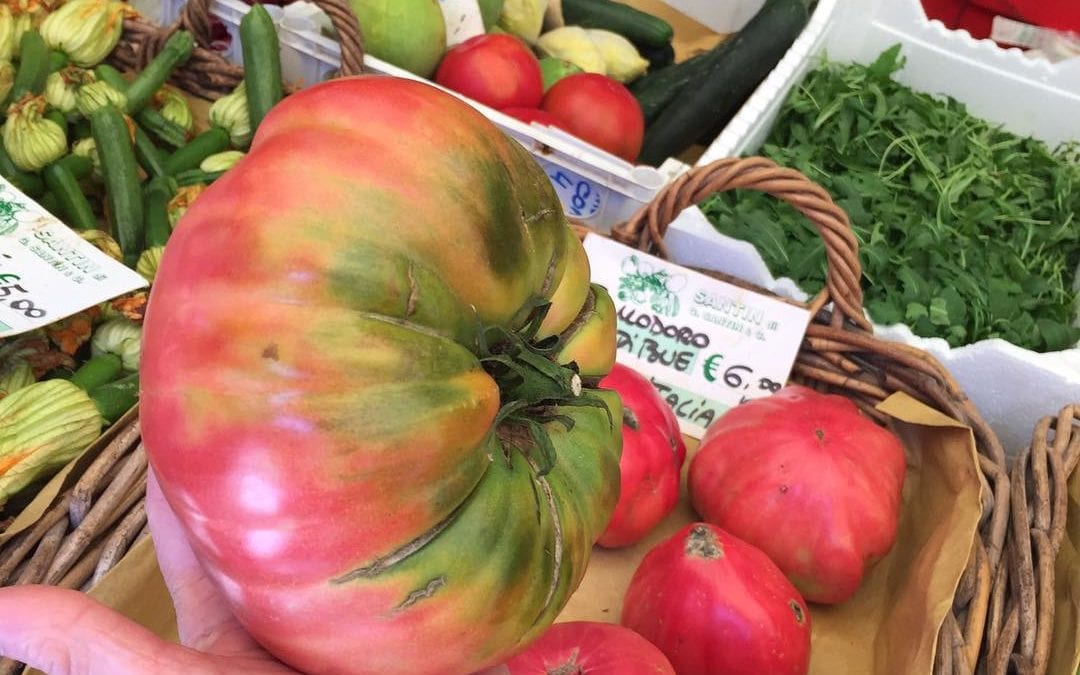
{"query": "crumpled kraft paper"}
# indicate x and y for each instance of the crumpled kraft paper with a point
(890, 626)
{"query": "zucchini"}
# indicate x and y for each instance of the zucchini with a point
(79, 166)
(160, 127)
(718, 90)
(97, 371)
(117, 397)
(655, 90)
(209, 142)
(196, 177)
(177, 51)
(74, 206)
(121, 174)
(156, 198)
(33, 69)
(29, 184)
(262, 63)
(111, 76)
(148, 154)
(633, 24)
(57, 60)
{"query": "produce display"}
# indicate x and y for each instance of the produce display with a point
(966, 231)
(117, 158)
(590, 647)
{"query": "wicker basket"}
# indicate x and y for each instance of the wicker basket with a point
(1002, 613)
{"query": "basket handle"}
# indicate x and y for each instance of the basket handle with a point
(645, 230)
(195, 16)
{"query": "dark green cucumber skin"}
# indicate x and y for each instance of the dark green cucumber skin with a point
(262, 63)
(176, 52)
(633, 24)
(209, 142)
(655, 90)
(122, 186)
(716, 93)
(75, 209)
(658, 57)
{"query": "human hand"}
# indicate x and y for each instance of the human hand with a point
(64, 632)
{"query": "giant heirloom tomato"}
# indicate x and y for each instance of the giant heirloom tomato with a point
(808, 479)
(589, 648)
(345, 394)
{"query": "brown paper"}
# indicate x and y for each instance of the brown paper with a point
(1065, 647)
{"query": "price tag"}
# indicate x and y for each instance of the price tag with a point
(706, 345)
(47, 271)
(463, 20)
(580, 197)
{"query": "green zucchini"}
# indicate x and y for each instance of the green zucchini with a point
(47, 200)
(117, 397)
(156, 198)
(148, 154)
(97, 371)
(209, 142)
(633, 24)
(177, 51)
(197, 176)
(57, 60)
(121, 174)
(735, 70)
(29, 184)
(74, 207)
(79, 166)
(111, 76)
(160, 127)
(655, 90)
(262, 63)
(33, 66)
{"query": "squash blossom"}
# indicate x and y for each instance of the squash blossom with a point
(85, 30)
(62, 87)
(96, 95)
(183, 199)
(230, 112)
(8, 43)
(120, 337)
(147, 266)
(43, 426)
(174, 107)
(102, 241)
(221, 161)
(14, 375)
(7, 78)
(33, 141)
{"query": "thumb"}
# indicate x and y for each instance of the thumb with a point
(64, 632)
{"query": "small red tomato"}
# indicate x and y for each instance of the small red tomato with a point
(495, 69)
(529, 115)
(652, 458)
(590, 647)
(598, 110)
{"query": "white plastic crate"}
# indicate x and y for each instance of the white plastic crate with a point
(595, 187)
(1012, 387)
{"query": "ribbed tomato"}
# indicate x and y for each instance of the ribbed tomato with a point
(715, 605)
(589, 648)
(808, 479)
(652, 458)
(343, 397)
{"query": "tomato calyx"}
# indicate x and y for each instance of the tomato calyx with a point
(532, 387)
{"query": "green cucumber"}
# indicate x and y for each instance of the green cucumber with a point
(156, 198)
(29, 184)
(117, 397)
(658, 57)
(176, 52)
(633, 24)
(98, 371)
(33, 66)
(121, 173)
(209, 142)
(262, 63)
(732, 73)
(655, 90)
(75, 209)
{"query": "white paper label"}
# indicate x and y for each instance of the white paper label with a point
(47, 271)
(706, 345)
(581, 198)
(463, 20)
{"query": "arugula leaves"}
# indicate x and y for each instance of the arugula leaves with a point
(966, 230)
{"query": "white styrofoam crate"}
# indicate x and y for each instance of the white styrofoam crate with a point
(1012, 387)
(595, 187)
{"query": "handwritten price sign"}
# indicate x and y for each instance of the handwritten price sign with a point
(47, 271)
(706, 345)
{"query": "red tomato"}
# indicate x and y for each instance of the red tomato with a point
(775, 469)
(652, 458)
(528, 115)
(599, 110)
(716, 605)
(590, 648)
(495, 69)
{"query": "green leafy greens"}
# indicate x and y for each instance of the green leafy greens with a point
(966, 230)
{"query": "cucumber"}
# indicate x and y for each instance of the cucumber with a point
(718, 90)
(633, 24)
(75, 209)
(658, 57)
(209, 142)
(121, 173)
(655, 90)
(177, 51)
(117, 397)
(262, 63)
(33, 69)
(97, 371)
